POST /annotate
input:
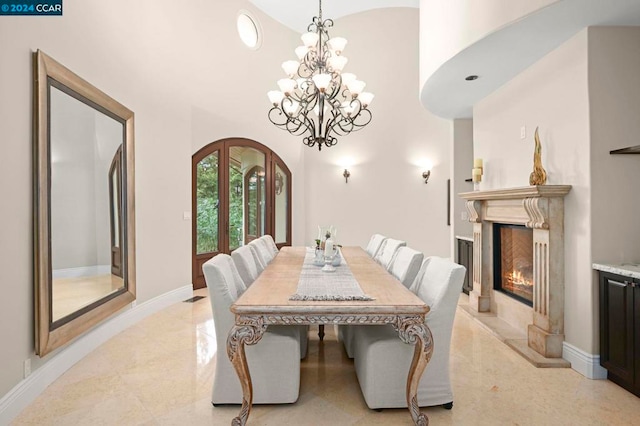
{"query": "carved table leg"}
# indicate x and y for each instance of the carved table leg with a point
(321, 332)
(416, 332)
(248, 332)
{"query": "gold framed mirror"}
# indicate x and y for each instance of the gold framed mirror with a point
(84, 211)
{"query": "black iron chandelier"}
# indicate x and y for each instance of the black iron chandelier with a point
(317, 99)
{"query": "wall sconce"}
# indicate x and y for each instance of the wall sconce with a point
(346, 174)
(426, 175)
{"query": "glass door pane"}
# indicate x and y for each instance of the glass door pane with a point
(236, 222)
(281, 205)
(247, 188)
(207, 204)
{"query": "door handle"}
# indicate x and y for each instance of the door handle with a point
(618, 283)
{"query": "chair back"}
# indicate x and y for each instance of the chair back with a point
(247, 263)
(225, 286)
(374, 244)
(271, 244)
(388, 251)
(406, 265)
(257, 255)
(439, 284)
(264, 253)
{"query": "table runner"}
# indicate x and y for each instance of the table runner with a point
(315, 285)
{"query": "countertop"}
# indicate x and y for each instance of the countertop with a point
(626, 269)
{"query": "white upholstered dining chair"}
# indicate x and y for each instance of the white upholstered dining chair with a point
(274, 362)
(271, 244)
(374, 245)
(249, 264)
(387, 252)
(264, 252)
(382, 360)
(246, 261)
(406, 264)
(405, 267)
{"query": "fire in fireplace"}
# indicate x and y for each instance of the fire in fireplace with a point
(513, 261)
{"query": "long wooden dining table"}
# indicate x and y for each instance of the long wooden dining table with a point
(266, 302)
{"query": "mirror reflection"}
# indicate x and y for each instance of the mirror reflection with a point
(86, 150)
(282, 205)
(84, 205)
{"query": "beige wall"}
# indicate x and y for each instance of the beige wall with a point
(586, 100)
(614, 61)
(185, 74)
(551, 94)
(386, 193)
(461, 164)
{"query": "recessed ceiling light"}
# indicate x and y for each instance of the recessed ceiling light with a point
(249, 30)
(471, 77)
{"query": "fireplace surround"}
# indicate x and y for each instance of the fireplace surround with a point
(541, 209)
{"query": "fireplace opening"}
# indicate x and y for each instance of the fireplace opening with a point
(513, 261)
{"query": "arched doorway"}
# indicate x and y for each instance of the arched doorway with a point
(240, 191)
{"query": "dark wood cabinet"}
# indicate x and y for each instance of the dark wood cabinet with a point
(620, 329)
(465, 258)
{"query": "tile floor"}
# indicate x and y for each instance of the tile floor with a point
(160, 371)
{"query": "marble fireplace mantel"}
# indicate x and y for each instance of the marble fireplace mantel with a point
(540, 208)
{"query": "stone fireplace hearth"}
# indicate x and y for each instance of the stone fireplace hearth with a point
(541, 209)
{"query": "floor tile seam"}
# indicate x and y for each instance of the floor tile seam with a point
(149, 412)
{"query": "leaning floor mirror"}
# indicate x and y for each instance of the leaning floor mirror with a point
(84, 219)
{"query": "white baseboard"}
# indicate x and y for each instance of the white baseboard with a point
(584, 363)
(18, 398)
(83, 271)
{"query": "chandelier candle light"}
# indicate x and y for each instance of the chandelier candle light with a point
(316, 99)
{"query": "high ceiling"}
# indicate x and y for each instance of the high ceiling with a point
(503, 54)
(297, 14)
(496, 58)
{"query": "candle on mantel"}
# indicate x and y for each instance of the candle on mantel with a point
(477, 163)
(476, 174)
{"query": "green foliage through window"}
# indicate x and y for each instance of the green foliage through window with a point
(208, 203)
(250, 189)
(235, 207)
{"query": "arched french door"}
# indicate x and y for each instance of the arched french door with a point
(241, 190)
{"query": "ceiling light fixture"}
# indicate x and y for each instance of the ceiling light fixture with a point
(316, 99)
